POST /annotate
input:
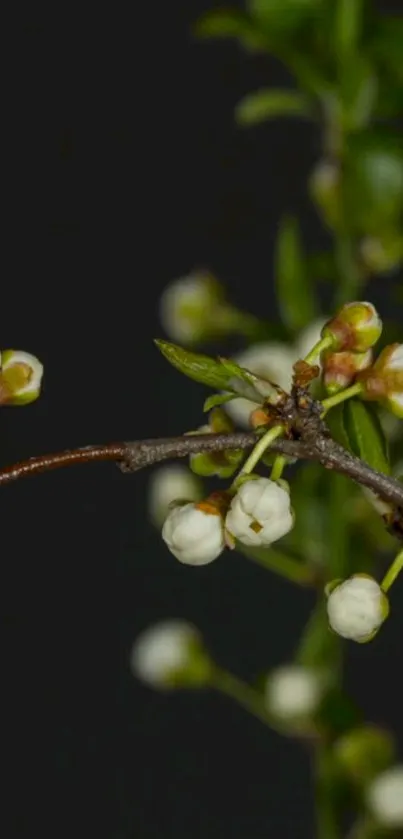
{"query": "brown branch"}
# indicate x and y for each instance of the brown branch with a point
(136, 455)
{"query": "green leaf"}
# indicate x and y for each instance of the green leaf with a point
(347, 27)
(221, 373)
(295, 294)
(230, 23)
(386, 46)
(217, 399)
(269, 103)
(283, 16)
(335, 421)
(365, 434)
(358, 92)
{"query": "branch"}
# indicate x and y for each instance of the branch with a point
(136, 455)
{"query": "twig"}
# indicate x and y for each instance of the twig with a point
(136, 455)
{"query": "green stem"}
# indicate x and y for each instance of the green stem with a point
(326, 811)
(322, 344)
(278, 467)
(348, 393)
(242, 694)
(257, 453)
(349, 276)
(280, 563)
(392, 572)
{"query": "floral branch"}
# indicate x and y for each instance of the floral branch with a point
(133, 456)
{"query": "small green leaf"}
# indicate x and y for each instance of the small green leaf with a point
(365, 434)
(230, 23)
(270, 103)
(336, 423)
(217, 399)
(295, 295)
(221, 374)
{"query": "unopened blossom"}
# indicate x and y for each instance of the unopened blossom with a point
(163, 652)
(260, 512)
(293, 692)
(188, 306)
(385, 797)
(341, 368)
(383, 382)
(356, 327)
(20, 377)
(168, 484)
(357, 607)
(194, 532)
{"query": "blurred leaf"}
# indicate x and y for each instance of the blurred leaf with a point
(230, 23)
(335, 421)
(295, 294)
(269, 103)
(319, 647)
(222, 373)
(358, 91)
(386, 45)
(283, 16)
(365, 434)
(347, 27)
(321, 266)
(374, 179)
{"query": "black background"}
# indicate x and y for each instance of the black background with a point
(125, 171)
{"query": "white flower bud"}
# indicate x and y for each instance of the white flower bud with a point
(259, 513)
(194, 533)
(274, 362)
(379, 505)
(169, 484)
(21, 377)
(293, 692)
(187, 305)
(385, 797)
(163, 651)
(357, 607)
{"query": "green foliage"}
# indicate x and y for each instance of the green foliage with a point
(270, 103)
(294, 289)
(365, 434)
(229, 23)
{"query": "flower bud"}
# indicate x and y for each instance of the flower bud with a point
(189, 307)
(385, 798)
(382, 254)
(357, 607)
(260, 512)
(170, 655)
(20, 378)
(364, 752)
(341, 368)
(356, 327)
(169, 484)
(272, 361)
(384, 380)
(194, 532)
(220, 463)
(293, 692)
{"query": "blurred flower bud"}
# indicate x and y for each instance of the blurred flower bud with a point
(220, 463)
(194, 532)
(20, 378)
(324, 188)
(364, 752)
(382, 255)
(356, 327)
(341, 368)
(190, 307)
(385, 797)
(384, 380)
(293, 693)
(170, 655)
(272, 361)
(357, 607)
(169, 484)
(260, 512)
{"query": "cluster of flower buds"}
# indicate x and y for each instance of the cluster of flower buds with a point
(356, 607)
(222, 463)
(169, 655)
(258, 514)
(20, 377)
(351, 333)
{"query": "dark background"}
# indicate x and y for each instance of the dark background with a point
(126, 171)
